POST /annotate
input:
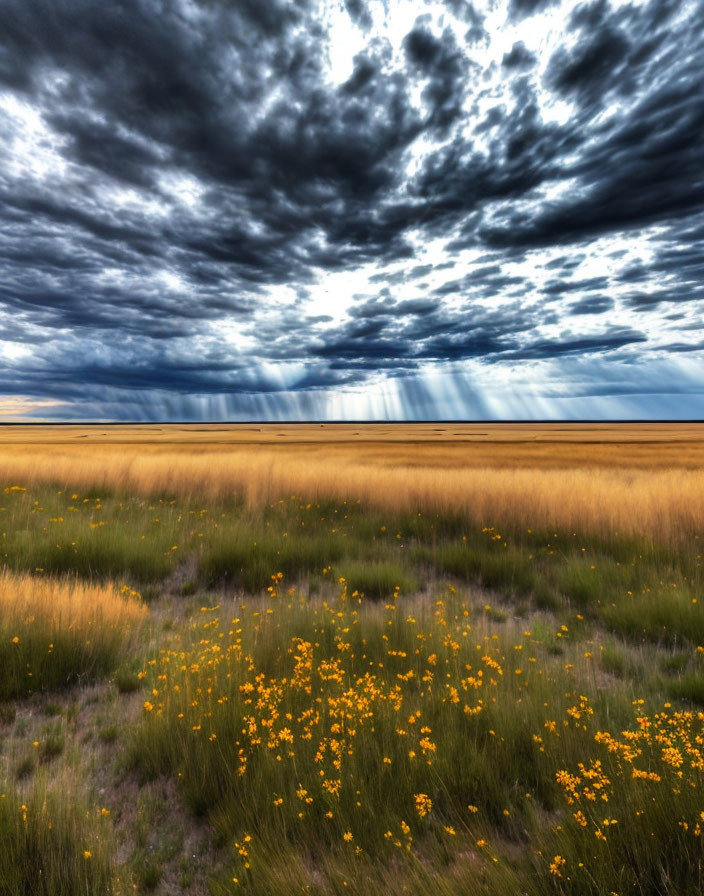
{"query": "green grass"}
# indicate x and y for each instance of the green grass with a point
(247, 557)
(689, 687)
(52, 742)
(587, 584)
(569, 634)
(495, 742)
(32, 666)
(496, 566)
(377, 579)
(25, 767)
(613, 659)
(127, 680)
(56, 634)
(52, 846)
(98, 536)
(48, 531)
(665, 616)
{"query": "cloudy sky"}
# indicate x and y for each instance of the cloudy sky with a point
(351, 209)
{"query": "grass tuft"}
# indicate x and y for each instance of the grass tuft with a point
(51, 846)
(377, 580)
(55, 633)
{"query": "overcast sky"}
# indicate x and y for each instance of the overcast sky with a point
(253, 209)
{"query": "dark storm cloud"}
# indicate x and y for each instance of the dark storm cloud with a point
(489, 280)
(519, 57)
(205, 173)
(644, 167)
(414, 331)
(520, 9)
(592, 305)
(597, 63)
(359, 12)
(138, 78)
(551, 348)
(560, 287)
(444, 68)
(416, 306)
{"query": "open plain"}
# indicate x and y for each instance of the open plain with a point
(401, 658)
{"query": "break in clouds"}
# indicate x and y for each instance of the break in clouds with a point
(231, 209)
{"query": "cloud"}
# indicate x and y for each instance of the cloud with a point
(215, 203)
(595, 66)
(519, 57)
(551, 348)
(596, 304)
(520, 9)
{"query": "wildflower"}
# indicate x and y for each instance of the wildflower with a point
(556, 865)
(423, 804)
(672, 756)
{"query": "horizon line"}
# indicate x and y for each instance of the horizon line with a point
(395, 422)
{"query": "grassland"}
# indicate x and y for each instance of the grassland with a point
(632, 479)
(407, 661)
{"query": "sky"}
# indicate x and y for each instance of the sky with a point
(351, 209)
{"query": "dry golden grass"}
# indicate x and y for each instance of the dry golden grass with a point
(346, 433)
(499, 823)
(629, 478)
(64, 604)
(54, 633)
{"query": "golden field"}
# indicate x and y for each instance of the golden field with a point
(627, 478)
(407, 660)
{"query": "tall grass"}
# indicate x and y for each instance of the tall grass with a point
(244, 553)
(57, 532)
(52, 845)
(347, 736)
(641, 589)
(663, 504)
(54, 633)
(522, 634)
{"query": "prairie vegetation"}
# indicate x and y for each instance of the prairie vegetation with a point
(52, 846)
(414, 746)
(627, 479)
(55, 633)
(323, 668)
